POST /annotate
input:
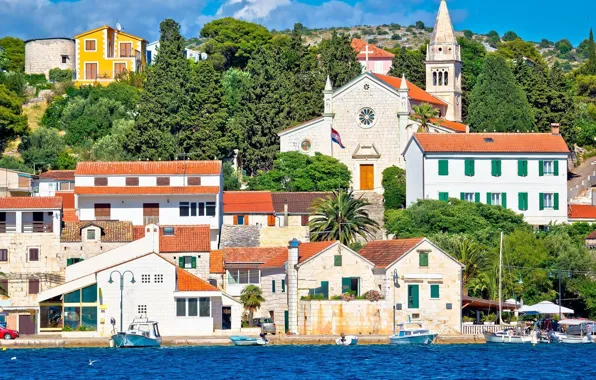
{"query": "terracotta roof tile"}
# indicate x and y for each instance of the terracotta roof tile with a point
(252, 255)
(581, 212)
(112, 231)
(455, 126)
(305, 252)
(592, 235)
(383, 253)
(415, 93)
(216, 261)
(258, 202)
(298, 203)
(359, 46)
(492, 142)
(69, 215)
(61, 175)
(142, 190)
(185, 239)
(149, 168)
(138, 232)
(188, 282)
(31, 203)
(67, 198)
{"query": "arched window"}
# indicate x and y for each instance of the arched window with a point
(440, 78)
(446, 78)
(434, 78)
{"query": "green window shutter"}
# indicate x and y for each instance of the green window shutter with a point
(504, 200)
(325, 288)
(444, 197)
(469, 168)
(443, 167)
(413, 297)
(556, 201)
(346, 284)
(496, 168)
(337, 260)
(423, 259)
(499, 167)
(477, 197)
(526, 204)
(541, 168)
(181, 261)
(283, 286)
(541, 195)
(272, 286)
(472, 168)
(434, 291)
(522, 168)
(193, 262)
(522, 201)
(489, 200)
(556, 165)
(462, 196)
(68, 262)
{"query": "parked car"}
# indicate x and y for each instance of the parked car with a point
(266, 324)
(8, 333)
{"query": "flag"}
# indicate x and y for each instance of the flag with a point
(335, 137)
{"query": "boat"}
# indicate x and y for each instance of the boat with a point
(140, 333)
(349, 340)
(412, 333)
(575, 326)
(248, 341)
(576, 339)
(510, 336)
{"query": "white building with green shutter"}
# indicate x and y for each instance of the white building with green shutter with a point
(525, 172)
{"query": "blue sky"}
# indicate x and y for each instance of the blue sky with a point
(531, 19)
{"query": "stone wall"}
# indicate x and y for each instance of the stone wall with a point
(253, 236)
(43, 55)
(202, 269)
(239, 236)
(280, 236)
(276, 302)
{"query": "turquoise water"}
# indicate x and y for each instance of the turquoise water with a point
(306, 362)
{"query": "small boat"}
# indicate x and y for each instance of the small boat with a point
(348, 340)
(508, 336)
(576, 339)
(247, 341)
(140, 333)
(412, 333)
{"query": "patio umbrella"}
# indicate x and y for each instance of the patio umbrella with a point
(544, 307)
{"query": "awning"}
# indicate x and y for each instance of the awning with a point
(67, 288)
(479, 303)
(242, 265)
(545, 307)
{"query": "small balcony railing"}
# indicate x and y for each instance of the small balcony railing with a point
(7, 228)
(38, 227)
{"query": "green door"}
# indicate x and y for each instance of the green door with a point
(413, 297)
(346, 284)
(286, 321)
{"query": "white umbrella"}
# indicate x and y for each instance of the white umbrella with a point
(544, 307)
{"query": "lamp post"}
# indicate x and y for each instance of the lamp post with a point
(395, 280)
(132, 281)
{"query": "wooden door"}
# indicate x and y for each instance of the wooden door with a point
(102, 211)
(367, 177)
(151, 213)
(90, 70)
(26, 324)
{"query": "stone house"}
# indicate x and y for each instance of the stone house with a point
(45, 54)
(15, 184)
(294, 209)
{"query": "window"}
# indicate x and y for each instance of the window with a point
(493, 199)
(194, 181)
(141, 309)
(549, 201)
(73, 260)
(522, 168)
(423, 259)
(90, 45)
(3, 254)
(168, 231)
(489, 140)
(243, 276)
(204, 307)
(443, 167)
(337, 260)
(522, 201)
(184, 209)
(440, 78)
(119, 68)
(272, 286)
(444, 197)
(469, 168)
(64, 58)
(283, 286)
(304, 219)
(413, 297)
(187, 262)
(240, 220)
(469, 197)
(434, 291)
(33, 286)
(158, 278)
(496, 168)
(367, 117)
(132, 181)
(446, 78)
(181, 307)
(66, 186)
(210, 208)
(91, 71)
(91, 234)
(126, 49)
(33, 254)
(213, 282)
(547, 167)
(193, 307)
(163, 181)
(435, 78)
(100, 181)
(145, 278)
(102, 211)
(350, 285)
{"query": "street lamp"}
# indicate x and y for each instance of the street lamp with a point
(132, 281)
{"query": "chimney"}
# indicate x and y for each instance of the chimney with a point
(286, 216)
(555, 128)
(292, 273)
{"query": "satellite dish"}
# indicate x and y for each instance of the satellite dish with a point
(118, 26)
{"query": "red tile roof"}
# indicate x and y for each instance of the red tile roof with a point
(492, 142)
(415, 93)
(112, 231)
(216, 261)
(385, 252)
(142, 190)
(256, 202)
(69, 215)
(61, 175)
(149, 168)
(305, 252)
(185, 239)
(138, 232)
(592, 235)
(252, 255)
(298, 203)
(581, 212)
(188, 282)
(453, 125)
(31, 203)
(67, 198)
(359, 46)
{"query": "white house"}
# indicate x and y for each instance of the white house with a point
(153, 48)
(53, 181)
(168, 193)
(525, 172)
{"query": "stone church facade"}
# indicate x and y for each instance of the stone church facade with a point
(372, 114)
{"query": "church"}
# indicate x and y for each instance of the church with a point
(367, 123)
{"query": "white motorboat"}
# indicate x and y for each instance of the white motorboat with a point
(348, 340)
(248, 341)
(578, 331)
(412, 333)
(576, 339)
(510, 336)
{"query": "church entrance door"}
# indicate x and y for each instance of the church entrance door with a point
(367, 177)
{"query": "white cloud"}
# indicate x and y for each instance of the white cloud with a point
(250, 10)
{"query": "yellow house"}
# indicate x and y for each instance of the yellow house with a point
(104, 53)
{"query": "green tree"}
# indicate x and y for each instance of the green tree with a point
(230, 177)
(15, 52)
(497, 102)
(111, 146)
(234, 41)
(11, 162)
(472, 56)
(394, 188)
(468, 34)
(341, 217)
(493, 39)
(545, 44)
(420, 25)
(235, 83)
(591, 64)
(510, 36)
(3, 60)
(518, 50)
(251, 297)
(66, 161)
(12, 121)
(42, 148)
(338, 59)
(410, 63)
(564, 46)
(584, 124)
(425, 112)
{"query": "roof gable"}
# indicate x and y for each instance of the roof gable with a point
(112, 231)
(383, 253)
(188, 282)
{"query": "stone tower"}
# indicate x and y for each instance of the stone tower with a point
(443, 65)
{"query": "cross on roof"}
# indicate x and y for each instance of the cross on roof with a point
(367, 52)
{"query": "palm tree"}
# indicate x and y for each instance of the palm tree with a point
(425, 112)
(3, 292)
(251, 297)
(341, 217)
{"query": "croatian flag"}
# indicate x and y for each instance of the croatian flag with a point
(336, 138)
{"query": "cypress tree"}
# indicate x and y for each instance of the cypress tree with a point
(339, 60)
(410, 63)
(497, 103)
(591, 55)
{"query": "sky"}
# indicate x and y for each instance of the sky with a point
(530, 19)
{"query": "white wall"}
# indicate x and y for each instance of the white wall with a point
(148, 180)
(415, 167)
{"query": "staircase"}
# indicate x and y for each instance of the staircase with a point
(376, 210)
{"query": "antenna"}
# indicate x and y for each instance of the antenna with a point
(118, 26)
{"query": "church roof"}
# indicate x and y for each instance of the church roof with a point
(359, 46)
(453, 125)
(300, 125)
(443, 32)
(415, 93)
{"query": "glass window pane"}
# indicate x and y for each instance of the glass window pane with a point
(205, 307)
(202, 209)
(233, 277)
(181, 307)
(254, 276)
(90, 293)
(73, 297)
(72, 317)
(50, 317)
(210, 208)
(193, 209)
(184, 209)
(243, 276)
(89, 318)
(192, 307)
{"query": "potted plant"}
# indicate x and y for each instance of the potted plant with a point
(489, 319)
(468, 320)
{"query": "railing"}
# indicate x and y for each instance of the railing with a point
(38, 227)
(7, 228)
(479, 329)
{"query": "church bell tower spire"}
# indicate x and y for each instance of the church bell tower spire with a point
(443, 65)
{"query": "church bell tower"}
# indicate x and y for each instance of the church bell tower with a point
(443, 65)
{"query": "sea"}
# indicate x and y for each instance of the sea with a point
(485, 361)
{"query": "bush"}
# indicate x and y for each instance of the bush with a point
(347, 297)
(394, 188)
(67, 328)
(35, 79)
(59, 75)
(314, 297)
(489, 318)
(372, 295)
(420, 25)
(396, 37)
(467, 319)
(510, 36)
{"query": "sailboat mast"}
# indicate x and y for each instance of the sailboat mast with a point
(500, 279)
